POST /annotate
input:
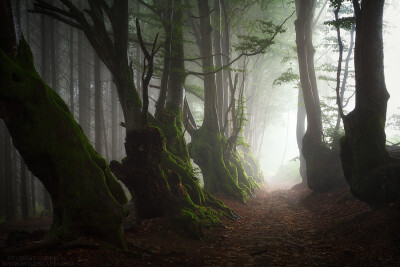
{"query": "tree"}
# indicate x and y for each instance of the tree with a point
(317, 155)
(300, 131)
(87, 199)
(373, 175)
(8, 184)
(98, 105)
(216, 155)
(162, 183)
(84, 84)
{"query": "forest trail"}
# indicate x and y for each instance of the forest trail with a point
(277, 228)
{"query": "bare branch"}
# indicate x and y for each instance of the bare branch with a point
(148, 69)
(339, 68)
(57, 17)
(188, 120)
(199, 58)
(244, 53)
(320, 13)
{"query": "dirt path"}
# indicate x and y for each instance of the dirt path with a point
(292, 228)
(279, 228)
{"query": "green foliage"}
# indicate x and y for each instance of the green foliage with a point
(255, 44)
(287, 77)
(195, 90)
(329, 117)
(338, 3)
(344, 23)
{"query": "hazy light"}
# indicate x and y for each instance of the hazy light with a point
(273, 147)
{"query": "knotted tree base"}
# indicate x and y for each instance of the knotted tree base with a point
(163, 186)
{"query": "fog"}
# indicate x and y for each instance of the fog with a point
(280, 146)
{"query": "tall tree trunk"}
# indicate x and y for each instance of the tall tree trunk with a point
(170, 119)
(83, 84)
(53, 55)
(210, 90)
(318, 157)
(167, 24)
(177, 67)
(344, 83)
(43, 48)
(372, 174)
(220, 166)
(71, 71)
(218, 61)
(300, 130)
(305, 51)
(138, 55)
(225, 49)
(114, 123)
(98, 99)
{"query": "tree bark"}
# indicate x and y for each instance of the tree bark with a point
(218, 61)
(98, 99)
(225, 49)
(53, 54)
(177, 68)
(87, 199)
(372, 174)
(300, 131)
(71, 71)
(344, 83)
(317, 155)
(210, 90)
(84, 84)
(220, 165)
(114, 123)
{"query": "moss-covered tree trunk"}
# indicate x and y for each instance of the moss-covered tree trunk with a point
(157, 169)
(87, 199)
(373, 175)
(220, 166)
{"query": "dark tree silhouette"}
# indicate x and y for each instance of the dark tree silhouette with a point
(372, 173)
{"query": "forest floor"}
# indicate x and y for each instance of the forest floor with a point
(277, 228)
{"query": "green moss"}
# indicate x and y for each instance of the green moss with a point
(251, 164)
(170, 122)
(87, 199)
(219, 174)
